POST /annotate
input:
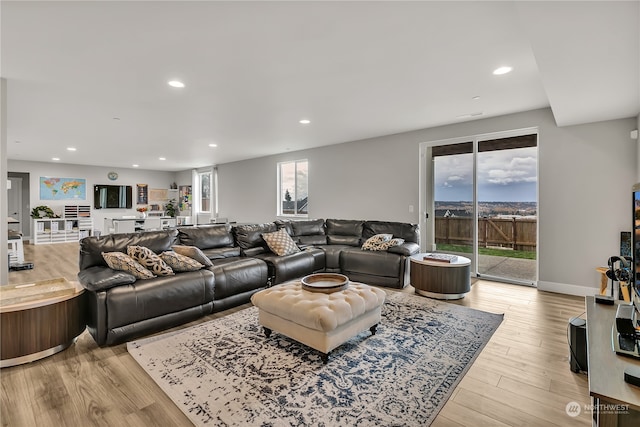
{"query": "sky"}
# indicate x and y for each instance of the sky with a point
(503, 176)
(288, 172)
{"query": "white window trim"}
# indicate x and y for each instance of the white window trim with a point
(295, 186)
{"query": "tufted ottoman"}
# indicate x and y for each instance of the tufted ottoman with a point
(321, 321)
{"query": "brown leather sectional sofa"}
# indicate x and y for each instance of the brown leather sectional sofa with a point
(121, 307)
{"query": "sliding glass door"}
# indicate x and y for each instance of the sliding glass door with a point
(480, 201)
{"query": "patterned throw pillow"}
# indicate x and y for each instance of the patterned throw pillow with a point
(193, 252)
(123, 262)
(280, 243)
(374, 243)
(149, 260)
(180, 262)
(393, 242)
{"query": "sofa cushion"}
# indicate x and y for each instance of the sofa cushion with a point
(91, 248)
(308, 228)
(220, 253)
(180, 263)
(344, 227)
(250, 235)
(193, 252)
(280, 243)
(375, 243)
(406, 231)
(205, 237)
(344, 232)
(149, 260)
(123, 262)
(149, 299)
(319, 239)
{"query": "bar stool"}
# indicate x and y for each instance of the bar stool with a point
(16, 249)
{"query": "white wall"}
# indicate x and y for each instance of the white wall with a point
(586, 174)
(93, 175)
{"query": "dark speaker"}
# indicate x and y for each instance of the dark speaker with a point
(578, 344)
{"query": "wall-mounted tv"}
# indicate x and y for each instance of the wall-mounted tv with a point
(112, 196)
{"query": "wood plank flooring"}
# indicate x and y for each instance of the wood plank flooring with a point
(522, 377)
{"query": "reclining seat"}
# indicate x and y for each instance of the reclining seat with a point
(237, 278)
(121, 307)
(281, 268)
(388, 267)
(342, 234)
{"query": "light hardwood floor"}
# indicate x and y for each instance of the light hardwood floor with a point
(522, 377)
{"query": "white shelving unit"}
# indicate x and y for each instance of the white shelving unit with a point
(75, 225)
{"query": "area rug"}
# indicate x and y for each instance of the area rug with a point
(225, 372)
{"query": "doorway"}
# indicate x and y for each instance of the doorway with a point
(479, 199)
(18, 202)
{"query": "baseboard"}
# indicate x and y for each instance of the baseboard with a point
(563, 288)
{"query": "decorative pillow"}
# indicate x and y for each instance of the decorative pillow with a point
(393, 242)
(280, 242)
(193, 252)
(373, 243)
(123, 262)
(180, 262)
(149, 260)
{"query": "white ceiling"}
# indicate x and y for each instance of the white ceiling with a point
(253, 69)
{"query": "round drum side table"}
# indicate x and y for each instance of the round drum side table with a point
(440, 280)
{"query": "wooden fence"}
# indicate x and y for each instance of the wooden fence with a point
(515, 233)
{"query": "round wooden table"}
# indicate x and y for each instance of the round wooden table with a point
(39, 319)
(440, 280)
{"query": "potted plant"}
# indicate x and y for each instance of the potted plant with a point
(42, 212)
(170, 208)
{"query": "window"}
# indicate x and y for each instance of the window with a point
(293, 183)
(205, 191)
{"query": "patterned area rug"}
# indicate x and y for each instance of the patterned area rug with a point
(226, 373)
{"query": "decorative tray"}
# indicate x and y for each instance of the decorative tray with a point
(325, 282)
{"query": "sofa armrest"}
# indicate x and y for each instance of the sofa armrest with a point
(406, 249)
(100, 278)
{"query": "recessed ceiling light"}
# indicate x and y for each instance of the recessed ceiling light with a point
(305, 121)
(135, 166)
(55, 159)
(162, 158)
(213, 145)
(71, 148)
(475, 98)
(18, 142)
(175, 83)
(116, 118)
(502, 70)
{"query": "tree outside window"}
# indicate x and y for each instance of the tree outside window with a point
(205, 192)
(293, 195)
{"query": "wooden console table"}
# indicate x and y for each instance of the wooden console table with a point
(39, 319)
(606, 371)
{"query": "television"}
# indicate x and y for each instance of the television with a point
(112, 197)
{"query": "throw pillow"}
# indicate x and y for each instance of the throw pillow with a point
(180, 262)
(373, 243)
(280, 242)
(149, 260)
(193, 252)
(393, 242)
(123, 262)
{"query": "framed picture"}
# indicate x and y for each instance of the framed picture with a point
(158, 194)
(142, 194)
(53, 188)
